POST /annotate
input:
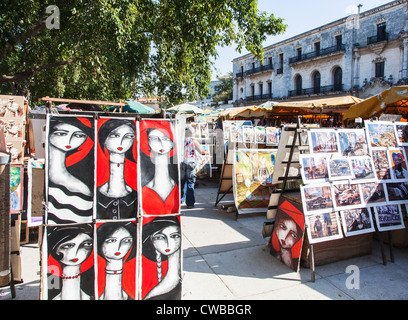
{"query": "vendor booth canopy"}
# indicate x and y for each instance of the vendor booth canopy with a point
(133, 106)
(185, 108)
(393, 100)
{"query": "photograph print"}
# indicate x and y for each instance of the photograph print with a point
(70, 169)
(272, 136)
(236, 133)
(248, 134)
(313, 168)
(381, 165)
(260, 134)
(374, 193)
(159, 168)
(380, 134)
(402, 133)
(357, 221)
(346, 195)
(397, 192)
(323, 141)
(316, 198)
(353, 142)
(339, 168)
(389, 217)
(398, 163)
(323, 227)
(363, 169)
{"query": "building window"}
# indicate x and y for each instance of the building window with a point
(381, 32)
(270, 60)
(242, 69)
(252, 91)
(253, 65)
(379, 69)
(338, 79)
(339, 41)
(261, 89)
(299, 54)
(270, 89)
(298, 85)
(280, 70)
(317, 48)
(316, 82)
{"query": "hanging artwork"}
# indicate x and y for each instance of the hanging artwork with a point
(116, 260)
(402, 133)
(287, 236)
(272, 136)
(389, 217)
(116, 169)
(353, 142)
(35, 192)
(374, 193)
(323, 141)
(316, 198)
(323, 227)
(70, 182)
(248, 134)
(357, 221)
(16, 188)
(161, 258)
(70, 262)
(339, 168)
(381, 164)
(397, 193)
(236, 133)
(398, 164)
(380, 134)
(252, 178)
(346, 195)
(159, 171)
(260, 134)
(363, 169)
(313, 168)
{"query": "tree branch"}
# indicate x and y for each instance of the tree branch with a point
(21, 76)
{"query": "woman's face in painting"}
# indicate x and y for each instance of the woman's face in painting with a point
(117, 245)
(287, 233)
(75, 251)
(167, 240)
(159, 142)
(67, 137)
(120, 139)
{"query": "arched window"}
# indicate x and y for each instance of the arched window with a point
(298, 84)
(316, 82)
(338, 79)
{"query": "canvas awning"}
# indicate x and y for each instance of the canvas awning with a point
(185, 108)
(393, 100)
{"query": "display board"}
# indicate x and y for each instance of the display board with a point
(112, 220)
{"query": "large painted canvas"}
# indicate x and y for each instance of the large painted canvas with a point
(252, 179)
(116, 248)
(161, 258)
(159, 169)
(287, 236)
(116, 169)
(70, 262)
(12, 117)
(16, 188)
(70, 182)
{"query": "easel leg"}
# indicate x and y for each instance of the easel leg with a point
(12, 286)
(382, 249)
(312, 263)
(391, 247)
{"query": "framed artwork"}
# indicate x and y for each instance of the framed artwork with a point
(316, 198)
(314, 168)
(116, 249)
(323, 141)
(357, 221)
(374, 193)
(363, 169)
(389, 217)
(346, 196)
(398, 164)
(116, 169)
(226, 129)
(69, 182)
(248, 134)
(380, 134)
(287, 236)
(397, 192)
(260, 134)
(381, 165)
(161, 257)
(202, 130)
(353, 142)
(69, 258)
(236, 133)
(339, 168)
(159, 168)
(35, 192)
(272, 136)
(252, 178)
(323, 227)
(402, 133)
(16, 188)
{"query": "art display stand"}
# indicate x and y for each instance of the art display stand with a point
(225, 183)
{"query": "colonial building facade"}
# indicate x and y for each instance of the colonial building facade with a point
(362, 55)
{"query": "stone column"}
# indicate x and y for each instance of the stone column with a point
(356, 67)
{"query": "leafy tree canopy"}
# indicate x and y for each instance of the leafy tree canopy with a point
(111, 50)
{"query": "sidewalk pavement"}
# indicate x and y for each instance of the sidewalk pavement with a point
(228, 259)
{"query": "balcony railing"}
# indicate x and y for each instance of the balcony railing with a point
(265, 67)
(316, 90)
(378, 38)
(259, 97)
(319, 53)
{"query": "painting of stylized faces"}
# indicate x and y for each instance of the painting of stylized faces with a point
(161, 258)
(159, 168)
(116, 169)
(116, 260)
(70, 182)
(70, 262)
(287, 237)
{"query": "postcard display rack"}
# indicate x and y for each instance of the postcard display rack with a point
(355, 181)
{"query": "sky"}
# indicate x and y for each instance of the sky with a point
(300, 16)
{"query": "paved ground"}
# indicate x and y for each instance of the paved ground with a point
(228, 259)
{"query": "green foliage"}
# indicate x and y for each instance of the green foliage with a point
(111, 50)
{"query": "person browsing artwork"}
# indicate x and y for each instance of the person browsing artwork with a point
(189, 167)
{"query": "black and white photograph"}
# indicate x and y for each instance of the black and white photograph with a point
(313, 168)
(357, 221)
(389, 217)
(323, 227)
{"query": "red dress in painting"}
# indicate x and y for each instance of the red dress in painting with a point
(153, 204)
